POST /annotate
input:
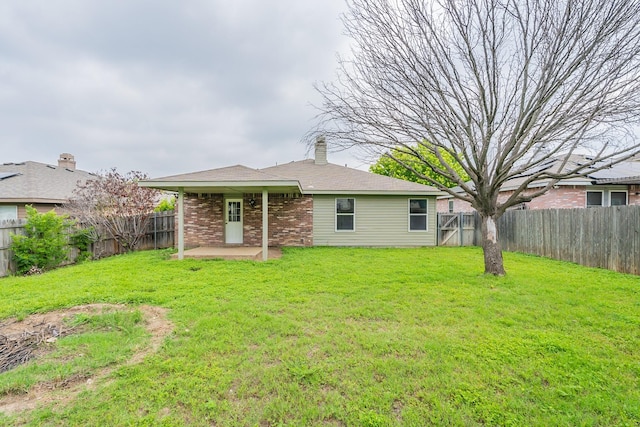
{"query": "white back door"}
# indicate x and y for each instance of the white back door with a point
(233, 221)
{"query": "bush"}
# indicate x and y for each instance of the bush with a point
(44, 244)
(166, 205)
(82, 238)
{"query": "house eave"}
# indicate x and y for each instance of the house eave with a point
(32, 200)
(631, 180)
(224, 187)
(373, 192)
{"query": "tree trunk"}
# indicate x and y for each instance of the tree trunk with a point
(493, 263)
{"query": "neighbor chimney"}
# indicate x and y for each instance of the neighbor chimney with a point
(66, 160)
(321, 151)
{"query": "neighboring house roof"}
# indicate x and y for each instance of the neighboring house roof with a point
(34, 182)
(619, 173)
(306, 177)
(622, 173)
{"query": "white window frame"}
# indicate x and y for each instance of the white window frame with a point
(7, 209)
(586, 198)
(626, 197)
(336, 214)
(450, 206)
(425, 214)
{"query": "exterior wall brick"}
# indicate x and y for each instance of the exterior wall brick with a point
(564, 197)
(634, 194)
(290, 220)
(203, 220)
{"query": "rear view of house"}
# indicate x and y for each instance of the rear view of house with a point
(303, 203)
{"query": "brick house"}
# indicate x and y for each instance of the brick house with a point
(40, 185)
(614, 186)
(303, 203)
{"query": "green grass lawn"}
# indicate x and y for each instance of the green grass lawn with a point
(357, 337)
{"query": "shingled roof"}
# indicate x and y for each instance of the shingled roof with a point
(306, 177)
(328, 178)
(311, 176)
(34, 182)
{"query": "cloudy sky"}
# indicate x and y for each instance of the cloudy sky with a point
(164, 87)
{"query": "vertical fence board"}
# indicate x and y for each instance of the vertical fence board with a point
(7, 229)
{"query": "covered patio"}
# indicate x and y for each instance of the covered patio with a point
(231, 182)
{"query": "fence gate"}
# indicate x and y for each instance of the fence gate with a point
(456, 229)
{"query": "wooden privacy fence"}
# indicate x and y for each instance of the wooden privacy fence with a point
(458, 229)
(595, 237)
(159, 234)
(7, 228)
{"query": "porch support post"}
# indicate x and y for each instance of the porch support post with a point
(265, 224)
(181, 223)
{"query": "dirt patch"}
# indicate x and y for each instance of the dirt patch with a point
(41, 325)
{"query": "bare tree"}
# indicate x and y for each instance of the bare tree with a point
(117, 204)
(499, 85)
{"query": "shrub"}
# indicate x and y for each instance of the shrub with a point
(166, 205)
(82, 238)
(44, 244)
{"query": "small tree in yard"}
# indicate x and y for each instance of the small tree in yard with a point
(117, 204)
(43, 246)
(500, 86)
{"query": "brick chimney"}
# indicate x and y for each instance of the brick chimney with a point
(321, 151)
(66, 160)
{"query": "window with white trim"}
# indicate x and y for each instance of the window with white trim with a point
(450, 206)
(594, 198)
(618, 198)
(417, 214)
(8, 212)
(345, 214)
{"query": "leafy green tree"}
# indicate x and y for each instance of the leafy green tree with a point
(43, 246)
(166, 204)
(405, 163)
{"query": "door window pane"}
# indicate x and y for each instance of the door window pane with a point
(234, 211)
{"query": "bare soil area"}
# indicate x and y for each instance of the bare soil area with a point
(36, 333)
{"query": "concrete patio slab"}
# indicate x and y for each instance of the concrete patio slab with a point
(231, 253)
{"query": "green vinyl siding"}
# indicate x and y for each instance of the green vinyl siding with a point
(379, 221)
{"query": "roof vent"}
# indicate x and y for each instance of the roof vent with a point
(67, 160)
(321, 151)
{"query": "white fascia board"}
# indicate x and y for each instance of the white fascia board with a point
(33, 200)
(175, 185)
(375, 193)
